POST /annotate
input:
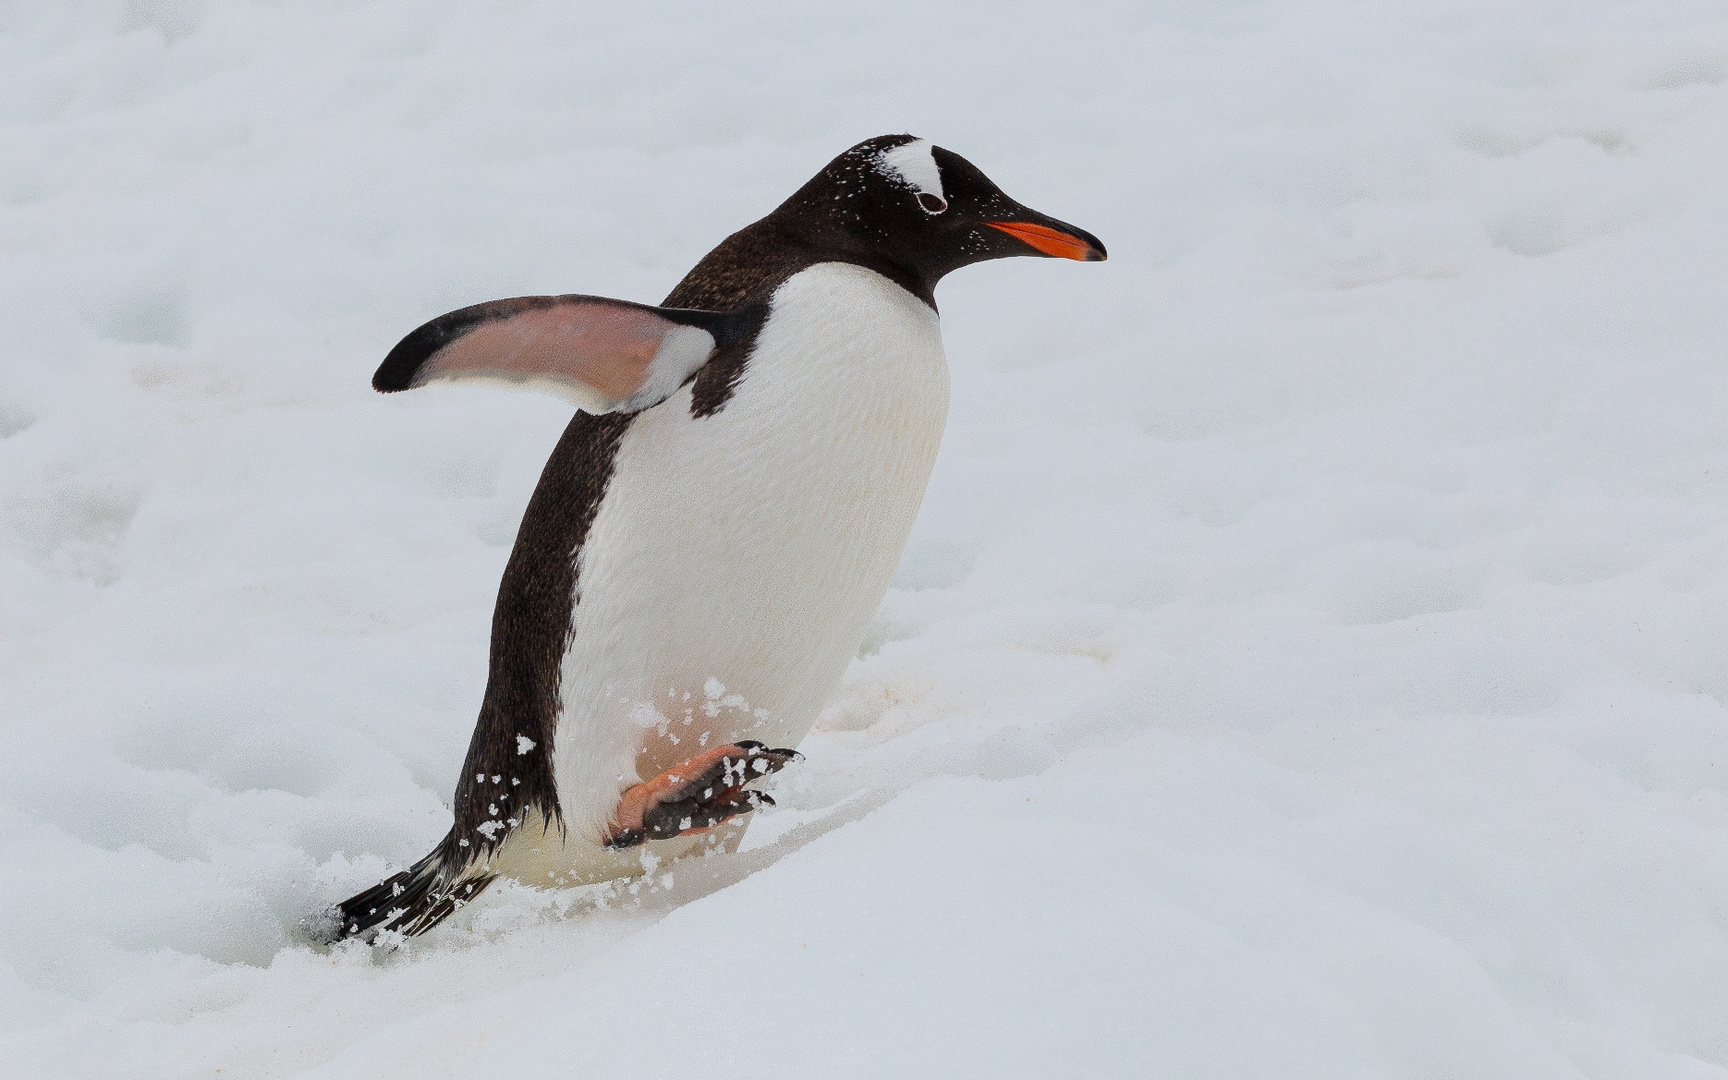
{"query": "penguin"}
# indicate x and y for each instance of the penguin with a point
(715, 528)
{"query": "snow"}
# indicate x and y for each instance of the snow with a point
(1309, 661)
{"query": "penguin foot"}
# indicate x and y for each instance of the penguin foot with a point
(697, 795)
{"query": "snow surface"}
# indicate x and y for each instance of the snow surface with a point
(1309, 663)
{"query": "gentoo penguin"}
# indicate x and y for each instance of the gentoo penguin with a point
(716, 527)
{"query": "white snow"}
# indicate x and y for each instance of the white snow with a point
(1310, 661)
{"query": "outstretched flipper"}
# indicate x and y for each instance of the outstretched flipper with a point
(601, 355)
(697, 795)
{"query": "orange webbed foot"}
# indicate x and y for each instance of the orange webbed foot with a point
(698, 794)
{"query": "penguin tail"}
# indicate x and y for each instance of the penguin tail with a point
(408, 903)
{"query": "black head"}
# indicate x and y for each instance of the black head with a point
(923, 211)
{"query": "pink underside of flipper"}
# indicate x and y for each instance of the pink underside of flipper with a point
(607, 347)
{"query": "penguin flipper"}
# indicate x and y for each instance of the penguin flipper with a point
(601, 355)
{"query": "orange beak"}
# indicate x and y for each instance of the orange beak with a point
(1050, 241)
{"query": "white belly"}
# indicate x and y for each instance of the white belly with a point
(735, 562)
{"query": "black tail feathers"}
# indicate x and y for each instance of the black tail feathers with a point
(410, 902)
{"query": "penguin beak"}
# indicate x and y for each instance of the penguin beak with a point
(1056, 239)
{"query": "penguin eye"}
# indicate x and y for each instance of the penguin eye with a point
(932, 204)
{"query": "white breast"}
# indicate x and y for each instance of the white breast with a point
(736, 560)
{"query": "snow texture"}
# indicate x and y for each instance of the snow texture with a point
(1309, 661)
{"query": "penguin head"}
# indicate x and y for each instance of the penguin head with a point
(927, 210)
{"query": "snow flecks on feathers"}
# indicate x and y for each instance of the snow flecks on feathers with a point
(409, 902)
(913, 164)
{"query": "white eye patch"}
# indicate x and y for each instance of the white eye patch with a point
(915, 165)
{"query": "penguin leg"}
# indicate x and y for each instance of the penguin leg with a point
(697, 795)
